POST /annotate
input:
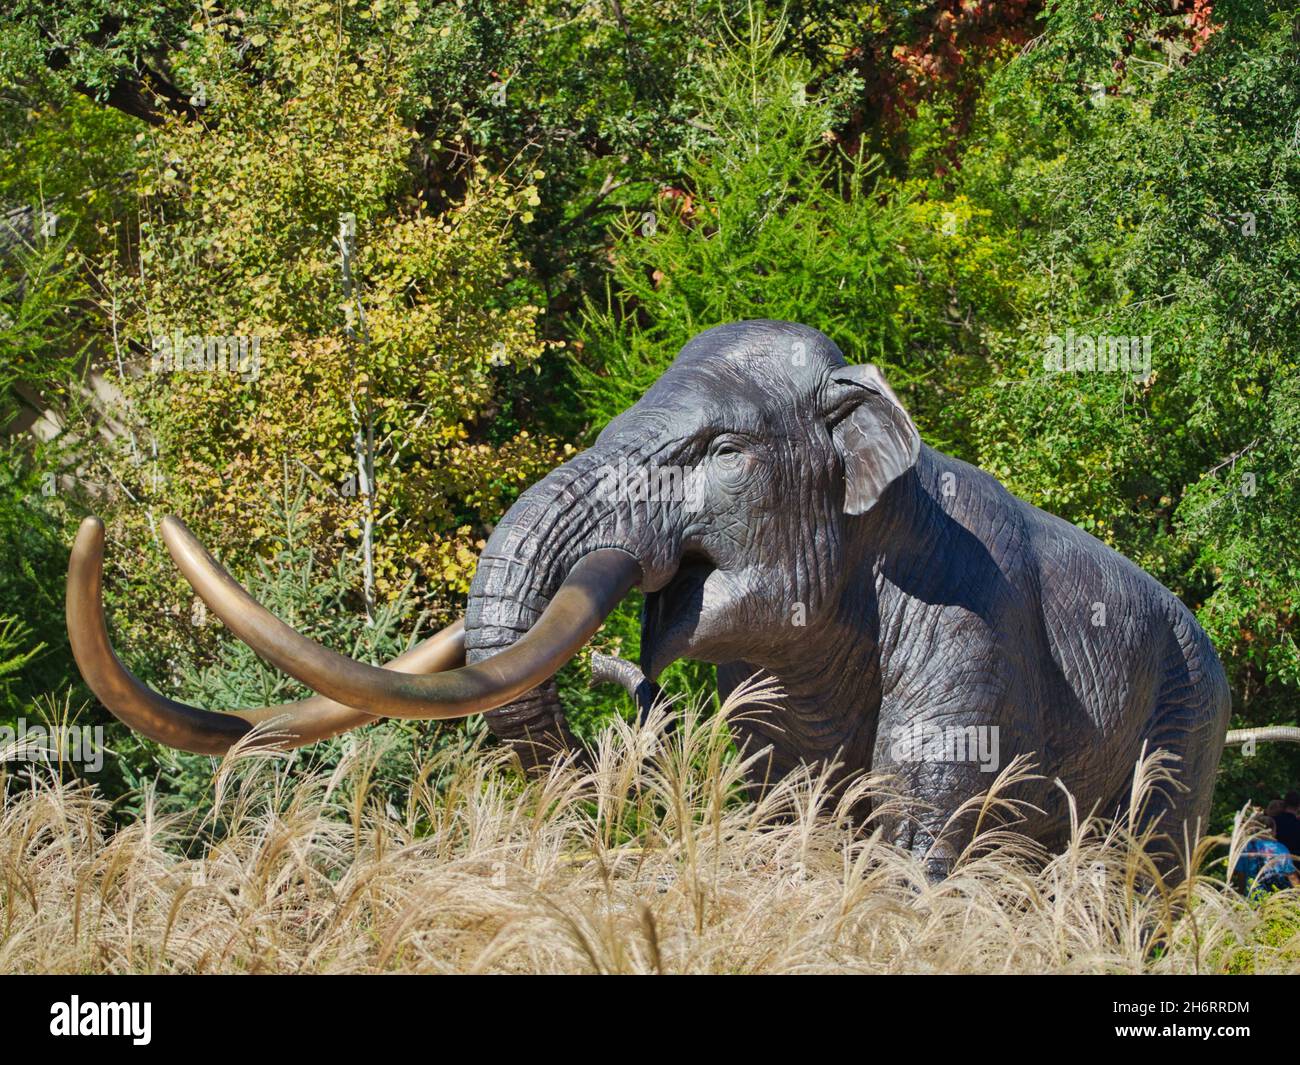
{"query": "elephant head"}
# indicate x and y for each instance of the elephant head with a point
(741, 483)
(735, 493)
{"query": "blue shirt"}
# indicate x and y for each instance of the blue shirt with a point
(1265, 863)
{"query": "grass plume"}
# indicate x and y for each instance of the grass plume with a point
(648, 858)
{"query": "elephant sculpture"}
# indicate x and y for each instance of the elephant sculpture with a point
(780, 514)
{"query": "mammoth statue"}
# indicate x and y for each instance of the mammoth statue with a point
(895, 593)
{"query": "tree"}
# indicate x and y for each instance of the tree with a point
(292, 300)
(1165, 211)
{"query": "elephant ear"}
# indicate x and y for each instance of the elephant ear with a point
(876, 439)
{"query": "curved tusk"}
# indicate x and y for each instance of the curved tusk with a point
(591, 590)
(1285, 733)
(610, 669)
(187, 727)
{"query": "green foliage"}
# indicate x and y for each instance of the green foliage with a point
(63, 46)
(770, 222)
(17, 651)
(1168, 210)
(762, 226)
(33, 564)
(39, 283)
(1277, 935)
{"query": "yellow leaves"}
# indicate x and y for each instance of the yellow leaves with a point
(450, 561)
(243, 243)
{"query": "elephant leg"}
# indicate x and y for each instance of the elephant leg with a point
(1176, 813)
(937, 762)
(778, 737)
(755, 732)
(1189, 721)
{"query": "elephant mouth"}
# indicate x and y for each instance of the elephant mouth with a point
(671, 615)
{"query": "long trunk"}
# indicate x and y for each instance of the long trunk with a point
(551, 526)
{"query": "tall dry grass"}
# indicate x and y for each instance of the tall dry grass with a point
(650, 860)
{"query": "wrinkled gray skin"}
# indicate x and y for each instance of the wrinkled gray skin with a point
(927, 592)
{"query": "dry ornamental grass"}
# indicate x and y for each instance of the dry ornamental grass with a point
(650, 859)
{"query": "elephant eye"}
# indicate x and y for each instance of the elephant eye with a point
(730, 457)
(727, 449)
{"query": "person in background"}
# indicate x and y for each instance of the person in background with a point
(1288, 822)
(1273, 808)
(1264, 865)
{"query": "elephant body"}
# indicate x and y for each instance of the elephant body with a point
(897, 594)
(1000, 614)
